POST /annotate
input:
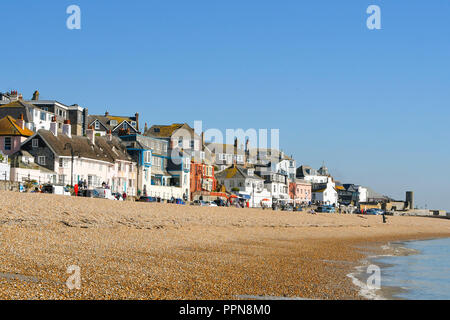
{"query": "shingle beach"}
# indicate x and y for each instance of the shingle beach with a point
(161, 251)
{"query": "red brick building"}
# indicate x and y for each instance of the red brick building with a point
(203, 181)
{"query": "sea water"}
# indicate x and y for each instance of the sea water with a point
(421, 276)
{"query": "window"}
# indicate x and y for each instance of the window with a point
(192, 144)
(147, 157)
(97, 125)
(113, 123)
(35, 143)
(133, 124)
(180, 142)
(41, 160)
(8, 143)
(43, 116)
(125, 126)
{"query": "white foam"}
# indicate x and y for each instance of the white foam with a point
(364, 289)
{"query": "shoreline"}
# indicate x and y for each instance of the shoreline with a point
(161, 251)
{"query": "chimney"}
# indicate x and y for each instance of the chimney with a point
(109, 136)
(202, 147)
(21, 122)
(247, 149)
(90, 133)
(106, 113)
(67, 128)
(54, 127)
(35, 96)
(235, 142)
(137, 121)
(145, 128)
(85, 120)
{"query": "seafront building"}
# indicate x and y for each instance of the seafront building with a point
(300, 191)
(245, 183)
(162, 172)
(50, 142)
(97, 161)
(325, 193)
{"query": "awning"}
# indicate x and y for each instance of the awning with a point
(245, 196)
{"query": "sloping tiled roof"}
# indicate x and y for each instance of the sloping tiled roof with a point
(103, 149)
(15, 109)
(166, 131)
(105, 120)
(9, 127)
(235, 172)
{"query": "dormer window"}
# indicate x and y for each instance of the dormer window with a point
(133, 124)
(113, 123)
(97, 125)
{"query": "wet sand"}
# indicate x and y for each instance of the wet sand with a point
(160, 251)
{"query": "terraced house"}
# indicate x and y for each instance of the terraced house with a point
(95, 160)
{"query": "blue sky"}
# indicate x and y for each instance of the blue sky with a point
(374, 105)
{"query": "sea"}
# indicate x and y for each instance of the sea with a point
(422, 273)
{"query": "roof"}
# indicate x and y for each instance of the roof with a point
(106, 119)
(236, 172)
(273, 153)
(15, 109)
(10, 127)
(224, 148)
(166, 131)
(103, 150)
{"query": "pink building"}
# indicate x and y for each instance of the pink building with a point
(12, 133)
(300, 191)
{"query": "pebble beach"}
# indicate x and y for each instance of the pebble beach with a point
(131, 250)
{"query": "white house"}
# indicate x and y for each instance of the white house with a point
(250, 185)
(95, 160)
(325, 193)
(314, 176)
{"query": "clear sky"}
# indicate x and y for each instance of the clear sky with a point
(373, 104)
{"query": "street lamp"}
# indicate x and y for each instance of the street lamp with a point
(69, 146)
(253, 197)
